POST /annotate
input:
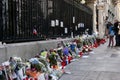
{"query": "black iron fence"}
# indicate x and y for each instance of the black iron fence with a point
(28, 20)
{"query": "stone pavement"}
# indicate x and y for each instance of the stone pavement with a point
(103, 64)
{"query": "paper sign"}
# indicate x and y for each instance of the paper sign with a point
(66, 30)
(61, 24)
(52, 23)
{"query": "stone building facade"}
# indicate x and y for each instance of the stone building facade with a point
(103, 11)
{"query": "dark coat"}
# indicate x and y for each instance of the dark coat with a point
(116, 29)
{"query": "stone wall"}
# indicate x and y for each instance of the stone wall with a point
(28, 49)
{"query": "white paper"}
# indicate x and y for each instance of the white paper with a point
(82, 25)
(76, 28)
(79, 25)
(21, 73)
(61, 24)
(41, 76)
(73, 19)
(6, 63)
(66, 30)
(57, 22)
(52, 23)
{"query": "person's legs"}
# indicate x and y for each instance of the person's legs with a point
(116, 40)
(112, 40)
(109, 41)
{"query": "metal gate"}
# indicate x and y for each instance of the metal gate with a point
(28, 20)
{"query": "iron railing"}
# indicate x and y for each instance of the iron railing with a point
(28, 20)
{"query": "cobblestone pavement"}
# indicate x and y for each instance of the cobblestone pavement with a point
(103, 64)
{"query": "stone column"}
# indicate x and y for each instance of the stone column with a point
(92, 5)
(94, 18)
(101, 27)
(117, 9)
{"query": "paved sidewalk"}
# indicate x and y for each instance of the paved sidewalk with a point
(104, 64)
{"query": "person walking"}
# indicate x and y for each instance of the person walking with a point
(111, 34)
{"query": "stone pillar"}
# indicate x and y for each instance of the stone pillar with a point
(94, 18)
(101, 27)
(117, 9)
(92, 5)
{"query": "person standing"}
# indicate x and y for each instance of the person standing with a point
(107, 29)
(117, 37)
(111, 34)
